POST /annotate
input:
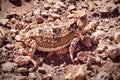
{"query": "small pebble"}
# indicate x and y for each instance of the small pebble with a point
(2, 34)
(41, 70)
(55, 16)
(32, 75)
(96, 36)
(46, 6)
(45, 14)
(18, 37)
(22, 60)
(87, 41)
(21, 70)
(47, 77)
(39, 20)
(113, 51)
(10, 46)
(117, 37)
(4, 21)
(80, 74)
(68, 76)
(71, 1)
(8, 66)
(71, 7)
(37, 12)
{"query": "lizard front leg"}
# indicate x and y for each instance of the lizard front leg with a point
(72, 47)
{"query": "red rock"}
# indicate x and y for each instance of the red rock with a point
(113, 51)
(39, 20)
(87, 41)
(71, 1)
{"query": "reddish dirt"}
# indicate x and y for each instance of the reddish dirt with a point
(102, 56)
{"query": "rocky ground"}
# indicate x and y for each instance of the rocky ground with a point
(97, 55)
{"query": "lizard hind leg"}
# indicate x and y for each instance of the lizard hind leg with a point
(72, 47)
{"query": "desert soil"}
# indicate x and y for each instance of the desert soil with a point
(97, 55)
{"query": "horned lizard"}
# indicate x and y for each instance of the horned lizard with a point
(52, 37)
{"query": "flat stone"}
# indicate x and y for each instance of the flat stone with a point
(4, 21)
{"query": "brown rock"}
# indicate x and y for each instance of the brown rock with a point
(117, 37)
(46, 6)
(39, 20)
(27, 0)
(103, 76)
(96, 36)
(90, 4)
(113, 51)
(60, 3)
(37, 12)
(4, 21)
(80, 74)
(71, 7)
(81, 18)
(22, 60)
(87, 41)
(18, 26)
(68, 76)
(8, 66)
(47, 77)
(21, 70)
(28, 19)
(10, 46)
(91, 26)
(42, 70)
(108, 8)
(57, 7)
(55, 16)
(101, 46)
(32, 75)
(18, 37)
(71, 1)
(82, 56)
(45, 14)
(2, 34)
(16, 2)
